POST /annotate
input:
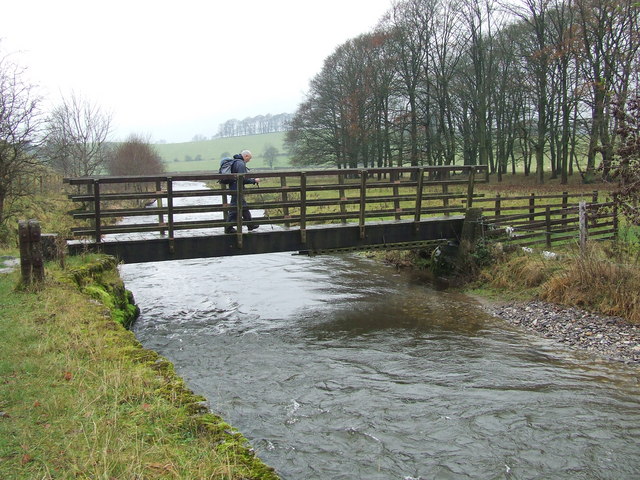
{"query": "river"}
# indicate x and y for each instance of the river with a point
(339, 367)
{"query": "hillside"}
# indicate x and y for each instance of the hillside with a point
(206, 155)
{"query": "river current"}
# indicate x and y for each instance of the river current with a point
(339, 367)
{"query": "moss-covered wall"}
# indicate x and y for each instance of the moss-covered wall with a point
(101, 281)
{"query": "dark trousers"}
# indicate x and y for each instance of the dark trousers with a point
(233, 215)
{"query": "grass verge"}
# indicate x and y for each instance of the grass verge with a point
(80, 398)
(603, 279)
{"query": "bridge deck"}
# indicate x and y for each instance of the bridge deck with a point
(319, 239)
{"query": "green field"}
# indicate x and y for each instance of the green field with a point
(206, 155)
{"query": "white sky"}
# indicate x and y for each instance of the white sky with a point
(173, 69)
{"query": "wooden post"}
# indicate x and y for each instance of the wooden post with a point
(445, 196)
(31, 262)
(50, 246)
(532, 207)
(25, 252)
(498, 205)
(582, 212)
(420, 187)
(159, 206)
(303, 207)
(471, 226)
(170, 212)
(96, 210)
(285, 198)
(396, 192)
(363, 201)
(615, 215)
(239, 200)
(36, 251)
(470, 186)
(343, 198)
(594, 199)
(547, 223)
(565, 204)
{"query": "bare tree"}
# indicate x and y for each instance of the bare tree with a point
(77, 134)
(408, 22)
(609, 32)
(20, 123)
(341, 118)
(135, 156)
(625, 167)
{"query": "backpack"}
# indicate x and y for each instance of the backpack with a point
(225, 167)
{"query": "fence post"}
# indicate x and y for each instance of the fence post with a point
(532, 207)
(396, 192)
(419, 189)
(594, 199)
(25, 252)
(238, 206)
(445, 198)
(565, 204)
(303, 207)
(159, 206)
(31, 262)
(363, 202)
(170, 212)
(470, 186)
(343, 198)
(582, 213)
(547, 222)
(285, 198)
(96, 210)
(498, 205)
(615, 215)
(36, 251)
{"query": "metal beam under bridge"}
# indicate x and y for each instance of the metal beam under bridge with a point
(319, 239)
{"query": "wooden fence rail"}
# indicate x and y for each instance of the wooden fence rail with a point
(289, 198)
(541, 219)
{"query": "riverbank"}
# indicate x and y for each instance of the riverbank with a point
(80, 397)
(539, 293)
(584, 301)
(609, 337)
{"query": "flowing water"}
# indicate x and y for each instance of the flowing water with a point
(338, 367)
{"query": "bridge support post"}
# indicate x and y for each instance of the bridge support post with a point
(471, 228)
(452, 259)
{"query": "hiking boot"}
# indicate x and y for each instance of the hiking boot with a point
(229, 230)
(253, 227)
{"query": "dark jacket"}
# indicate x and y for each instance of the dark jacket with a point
(240, 167)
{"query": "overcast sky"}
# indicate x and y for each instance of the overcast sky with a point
(174, 69)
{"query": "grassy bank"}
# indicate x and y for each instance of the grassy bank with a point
(604, 279)
(80, 398)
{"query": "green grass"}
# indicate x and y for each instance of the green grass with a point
(80, 398)
(211, 151)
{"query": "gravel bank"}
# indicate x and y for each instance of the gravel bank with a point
(610, 337)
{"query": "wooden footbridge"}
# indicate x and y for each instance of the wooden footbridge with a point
(182, 215)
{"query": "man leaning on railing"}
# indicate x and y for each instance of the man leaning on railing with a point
(239, 166)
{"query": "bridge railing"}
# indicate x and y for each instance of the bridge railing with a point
(289, 198)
